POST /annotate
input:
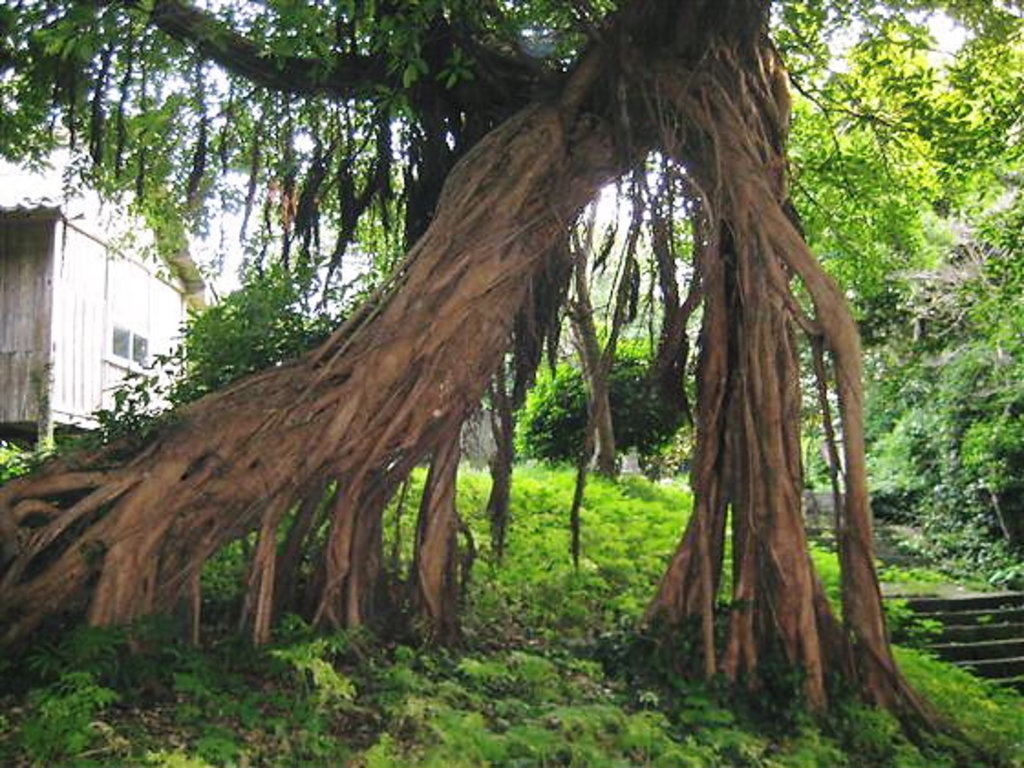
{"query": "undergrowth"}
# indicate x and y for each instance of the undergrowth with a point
(552, 673)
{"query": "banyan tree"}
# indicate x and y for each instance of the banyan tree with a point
(475, 135)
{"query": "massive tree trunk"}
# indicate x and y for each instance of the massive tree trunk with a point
(735, 110)
(127, 535)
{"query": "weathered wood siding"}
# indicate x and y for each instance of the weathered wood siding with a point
(26, 276)
(62, 293)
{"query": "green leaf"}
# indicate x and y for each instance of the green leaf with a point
(410, 75)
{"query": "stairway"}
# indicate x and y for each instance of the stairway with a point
(983, 633)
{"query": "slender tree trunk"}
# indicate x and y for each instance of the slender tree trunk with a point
(295, 547)
(596, 369)
(501, 463)
(1009, 517)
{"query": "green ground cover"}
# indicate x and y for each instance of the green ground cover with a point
(552, 673)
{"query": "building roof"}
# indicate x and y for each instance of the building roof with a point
(39, 194)
(32, 207)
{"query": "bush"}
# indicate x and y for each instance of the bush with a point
(269, 320)
(553, 420)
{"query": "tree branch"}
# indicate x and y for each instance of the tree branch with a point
(345, 75)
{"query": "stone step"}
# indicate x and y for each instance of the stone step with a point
(980, 617)
(979, 602)
(970, 633)
(1013, 682)
(995, 668)
(896, 560)
(983, 651)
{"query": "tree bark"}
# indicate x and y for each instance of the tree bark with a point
(435, 566)
(501, 463)
(735, 109)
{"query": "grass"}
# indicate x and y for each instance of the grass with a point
(629, 530)
(553, 673)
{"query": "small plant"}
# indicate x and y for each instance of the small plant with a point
(990, 714)
(176, 759)
(312, 660)
(908, 627)
(98, 651)
(218, 745)
(63, 720)
(14, 461)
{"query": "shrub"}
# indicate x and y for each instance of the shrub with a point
(269, 320)
(554, 418)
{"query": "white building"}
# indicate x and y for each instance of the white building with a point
(77, 310)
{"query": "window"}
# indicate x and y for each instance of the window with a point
(131, 346)
(140, 349)
(122, 343)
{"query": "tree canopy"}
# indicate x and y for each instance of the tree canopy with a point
(332, 123)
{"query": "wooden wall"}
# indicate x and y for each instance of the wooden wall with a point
(97, 289)
(26, 263)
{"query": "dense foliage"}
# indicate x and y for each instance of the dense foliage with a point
(553, 420)
(948, 408)
(908, 160)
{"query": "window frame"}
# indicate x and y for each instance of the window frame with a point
(134, 337)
